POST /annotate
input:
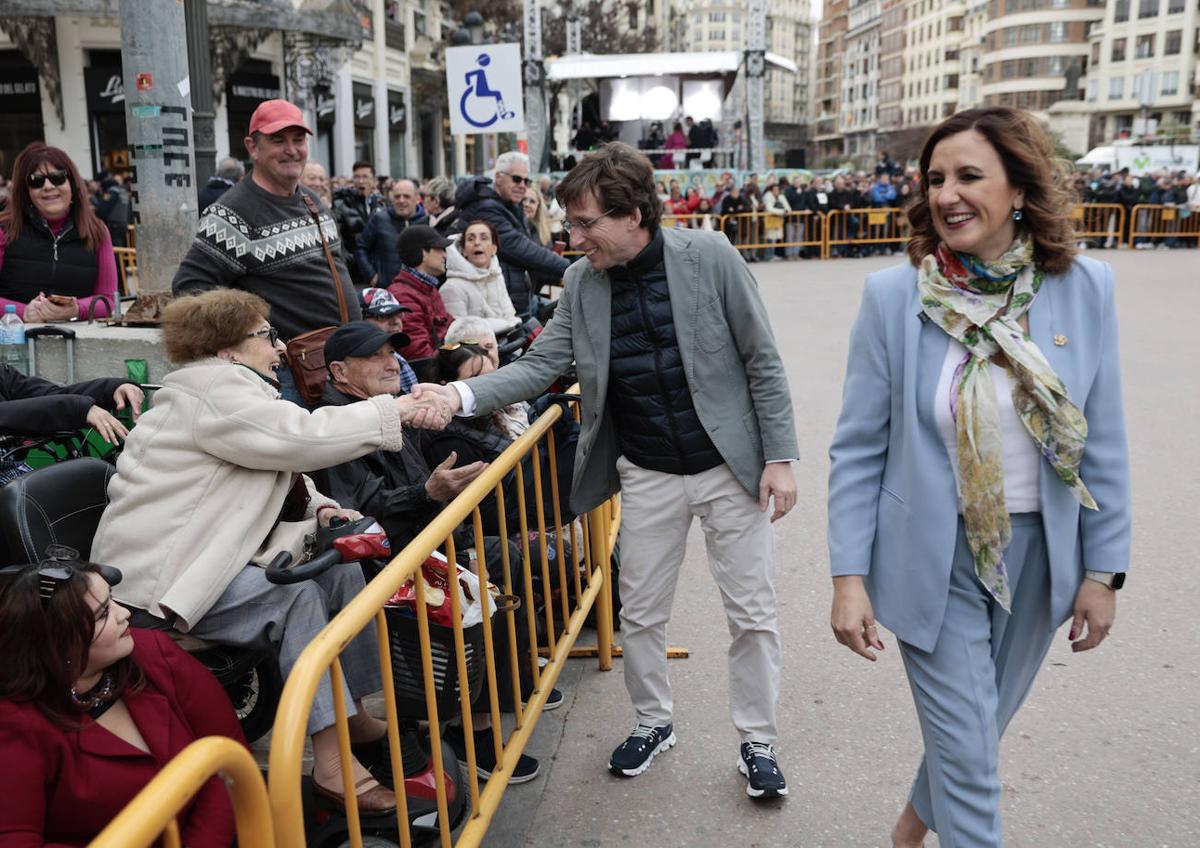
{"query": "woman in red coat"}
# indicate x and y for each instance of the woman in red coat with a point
(90, 710)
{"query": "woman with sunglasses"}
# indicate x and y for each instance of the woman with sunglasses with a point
(212, 484)
(91, 709)
(56, 256)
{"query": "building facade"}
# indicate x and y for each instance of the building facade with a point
(1141, 74)
(859, 113)
(352, 68)
(828, 141)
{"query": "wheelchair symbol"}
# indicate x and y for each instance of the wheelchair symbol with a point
(481, 106)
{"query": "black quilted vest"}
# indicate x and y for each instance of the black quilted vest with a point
(35, 263)
(648, 394)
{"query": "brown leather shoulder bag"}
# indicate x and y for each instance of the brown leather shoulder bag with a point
(306, 352)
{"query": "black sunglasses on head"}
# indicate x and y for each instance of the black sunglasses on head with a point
(60, 564)
(56, 178)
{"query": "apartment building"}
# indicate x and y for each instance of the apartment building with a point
(827, 83)
(858, 118)
(931, 59)
(971, 53)
(1036, 52)
(1144, 56)
(892, 39)
(708, 25)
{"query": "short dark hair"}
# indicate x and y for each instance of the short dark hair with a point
(622, 180)
(361, 164)
(482, 223)
(45, 644)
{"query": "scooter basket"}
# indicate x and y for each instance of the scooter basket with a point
(409, 675)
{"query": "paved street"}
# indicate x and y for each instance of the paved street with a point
(1106, 752)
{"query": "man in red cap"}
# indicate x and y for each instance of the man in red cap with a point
(260, 236)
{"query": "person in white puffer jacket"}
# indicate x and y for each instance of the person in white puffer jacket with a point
(474, 281)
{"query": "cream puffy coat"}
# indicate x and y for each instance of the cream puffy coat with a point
(479, 292)
(204, 476)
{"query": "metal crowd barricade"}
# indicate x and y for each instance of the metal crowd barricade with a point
(750, 231)
(1098, 221)
(563, 620)
(887, 227)
(1158, 221)
(151, 815)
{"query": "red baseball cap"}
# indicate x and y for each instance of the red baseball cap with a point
(271, 116)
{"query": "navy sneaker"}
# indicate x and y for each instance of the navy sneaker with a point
(633, 756)
(553, 701)
(485, 756)
(758, 765)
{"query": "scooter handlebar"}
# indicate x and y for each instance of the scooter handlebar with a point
(282, 572)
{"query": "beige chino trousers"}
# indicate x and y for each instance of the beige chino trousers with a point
(656, 513)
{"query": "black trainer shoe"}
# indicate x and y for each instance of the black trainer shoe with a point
(758, 765)
(633, 756)
(485, 756)
(553, 701)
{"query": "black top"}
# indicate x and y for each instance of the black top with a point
(39, 261)
(33, 406)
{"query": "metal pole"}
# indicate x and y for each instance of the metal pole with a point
(200, 75)
(480, 139)
(159, 122)
(535, 89)
(756, 65)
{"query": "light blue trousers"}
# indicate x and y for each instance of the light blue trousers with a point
(969, 687)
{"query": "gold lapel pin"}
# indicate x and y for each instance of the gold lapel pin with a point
(1060, 340)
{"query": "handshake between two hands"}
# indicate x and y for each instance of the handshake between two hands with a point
(428, 406)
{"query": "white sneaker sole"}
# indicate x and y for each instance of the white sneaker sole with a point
(758, 793)
(665, 745)
(484, 774)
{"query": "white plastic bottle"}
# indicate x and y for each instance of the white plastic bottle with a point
(13, 352)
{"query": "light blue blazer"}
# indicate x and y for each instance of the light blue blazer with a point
(893, 506)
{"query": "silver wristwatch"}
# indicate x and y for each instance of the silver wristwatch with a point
(1111, 579)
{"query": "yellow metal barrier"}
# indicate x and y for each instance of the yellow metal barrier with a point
(1150, 220)
(769, 230)
(151, 815)
(887, 226)
(562, 626)
(1099, 221)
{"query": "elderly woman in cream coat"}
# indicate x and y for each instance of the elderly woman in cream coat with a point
(212, 481)
(474, 282)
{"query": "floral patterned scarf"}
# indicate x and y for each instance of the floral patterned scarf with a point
(980, 304)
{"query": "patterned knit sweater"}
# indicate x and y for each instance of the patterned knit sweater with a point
(259, 242)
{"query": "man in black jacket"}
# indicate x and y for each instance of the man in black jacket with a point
(525, 263)
(352, 208)
(376, 257)
(33, 406)
(396, 487)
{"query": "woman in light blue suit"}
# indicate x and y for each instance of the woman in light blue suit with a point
(979, 490)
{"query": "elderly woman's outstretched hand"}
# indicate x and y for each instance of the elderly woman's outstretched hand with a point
(853, 617)
(429, 412)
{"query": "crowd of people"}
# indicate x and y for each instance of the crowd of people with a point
(969, 521)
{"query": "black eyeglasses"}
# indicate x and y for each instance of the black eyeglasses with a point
(269, 333)
(56, 178)
(518, 180)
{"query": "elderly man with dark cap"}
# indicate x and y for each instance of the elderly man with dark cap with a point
(422, 252)
(268, 235)
(380, 307)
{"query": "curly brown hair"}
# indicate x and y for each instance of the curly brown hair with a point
(1027, 154)
(621, 178)
(199, 326)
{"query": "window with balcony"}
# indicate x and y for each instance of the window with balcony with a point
(1058, 32)
(1174, 43)
(951, 81)
(718, 17)
(1093, 88)
(1144, 47)
(1148, 8)
(1118, 50)
(1116, 88)
(1174, 7)
(1121, 11)
(1170, 83)
(393, 25)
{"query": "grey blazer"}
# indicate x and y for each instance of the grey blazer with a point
(729, 356)
(893, 505)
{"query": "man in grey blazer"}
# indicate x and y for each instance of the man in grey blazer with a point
(686, 411)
